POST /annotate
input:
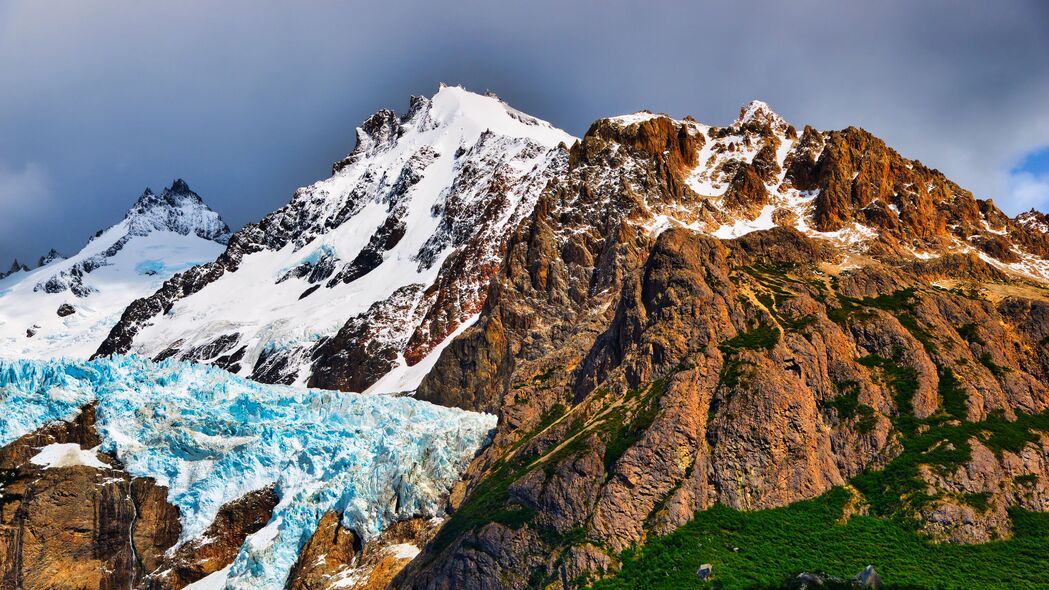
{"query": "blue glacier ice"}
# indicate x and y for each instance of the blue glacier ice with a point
(212, 437)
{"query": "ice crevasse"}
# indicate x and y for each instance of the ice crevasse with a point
(210, 437)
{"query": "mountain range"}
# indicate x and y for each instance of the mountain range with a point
(741, 356)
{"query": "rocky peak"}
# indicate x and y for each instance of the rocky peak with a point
(177, 209)
(179, 186)
(758, 113)
(51, 256)
(1035, 220)
(15, 267)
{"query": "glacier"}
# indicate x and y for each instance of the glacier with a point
(210, 437)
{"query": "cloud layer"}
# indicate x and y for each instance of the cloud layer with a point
(25, 198)
(248, 100)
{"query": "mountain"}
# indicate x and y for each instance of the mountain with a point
(361, 279)
(66, 306)
(740, 356)
(700, 317)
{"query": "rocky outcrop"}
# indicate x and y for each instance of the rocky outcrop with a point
(79, 526)
(217, 547)
(95, 526)
(16, 267)
(334, 557)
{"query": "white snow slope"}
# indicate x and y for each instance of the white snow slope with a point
(455, 152)
(159, 236)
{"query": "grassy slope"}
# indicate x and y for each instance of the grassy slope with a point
(775, 545)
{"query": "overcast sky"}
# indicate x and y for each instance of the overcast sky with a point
(248, 100)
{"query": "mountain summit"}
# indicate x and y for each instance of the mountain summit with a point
(65, 307)
(177, 209)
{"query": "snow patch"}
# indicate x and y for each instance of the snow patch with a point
(213, 581)
(403, 551)
(634, 118)
(66, 455)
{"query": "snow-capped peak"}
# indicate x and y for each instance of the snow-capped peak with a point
(758, 112)
(454, 104)
(65, 307)
(457, 111)
(177, 209)
(426, 199)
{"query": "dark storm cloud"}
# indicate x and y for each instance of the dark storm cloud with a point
(248, 100)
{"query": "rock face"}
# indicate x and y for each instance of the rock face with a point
(334, 557)
(89, 524)
(78, 525)
(217, 547)
(643, 370)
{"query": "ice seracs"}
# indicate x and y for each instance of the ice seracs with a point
(210, 437)
(159, 236)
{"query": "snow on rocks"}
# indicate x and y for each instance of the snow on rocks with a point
(159, 236)
(211, 437)
(425, 199)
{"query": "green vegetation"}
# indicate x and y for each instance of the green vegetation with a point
(944, 446)
(996, 370)
(775, 545)
(763, 337)
(1027, 480)
(868, 419)
(776, 280)
(623, 436)
(955, 399)
(900, 304)
(848, 406)
(902, 379)
(981, 501)
(969, 334)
